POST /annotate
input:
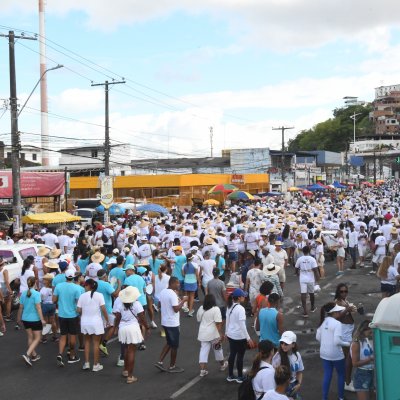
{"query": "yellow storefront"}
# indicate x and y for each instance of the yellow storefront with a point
(167, 189)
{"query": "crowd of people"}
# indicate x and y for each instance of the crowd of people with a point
(90, 284)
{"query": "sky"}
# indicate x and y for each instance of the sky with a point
(241, 67)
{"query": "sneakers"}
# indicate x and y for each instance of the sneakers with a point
(153, 325)
(162, 333)
(60, 360)
(239, 379)
(27, 359)
(74, 360)
(103, 349)
(7, 318)
(86, 366)
(203, 372)
(231, 378)
(1, 334)
(349, 387)
(97, 367)
(313, 309)
(175, 369)
(305, 315)
(190, 314)
(36, 358)
(185, 309)
(120, 363)
(223, 366)
(81, 349)
(142, 347)
(160, 366)
(155, 308)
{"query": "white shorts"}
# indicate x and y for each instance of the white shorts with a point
(282, 275)
(362, 250)
(130, 334)
(347, 332)
(307, 287)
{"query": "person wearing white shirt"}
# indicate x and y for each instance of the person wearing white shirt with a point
(353, 241)
(170, 308)
(329, 334)
(236, 332)
(307, 268)
(50, 240)
(380, 250)
(362, 244)
(263, 373)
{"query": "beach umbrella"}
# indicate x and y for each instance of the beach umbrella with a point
(211, 202)
(294, 189)
(240, 195)
(306, 192)
(156, 208)
(222, 188)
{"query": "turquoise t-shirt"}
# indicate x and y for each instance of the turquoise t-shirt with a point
(155, 265)
(58, 279)
(221, 265)
(129, 259)
(29, 313)
(269, 325)
(106, 290)
(190, 273)
(82, 264)
(179, 263)
(116, 274)
(138, 282)
(68, 294)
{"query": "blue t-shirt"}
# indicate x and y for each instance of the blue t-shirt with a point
(155, 265)
(138, 282)
(29, 313)
(129, 259)
(68, 294)
(221, 265)
(116, 274)
(58, 279)
(106, 290)
(180, 261)
(269, 325)
(82, 264)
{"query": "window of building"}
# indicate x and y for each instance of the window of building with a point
(34, 157)
(94, 154)
(8, 155)
(22, 156)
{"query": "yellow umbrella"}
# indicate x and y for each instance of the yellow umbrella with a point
(294, 189)
(211, 202)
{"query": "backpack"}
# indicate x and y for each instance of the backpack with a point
(246, 391)
(104, 237)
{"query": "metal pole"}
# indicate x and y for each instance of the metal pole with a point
(107, 136)
(15, 139)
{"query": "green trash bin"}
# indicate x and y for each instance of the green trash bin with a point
(386, 328)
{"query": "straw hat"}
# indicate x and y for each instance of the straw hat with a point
(43, 250)
(48, 277)
(271, 269)
(278, 243)
(193, 233)
(319, 240)
(97, 257)
(209, 240)
(55, 253)
(51, 265)
(129, 294)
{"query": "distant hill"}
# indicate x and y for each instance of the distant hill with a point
(336, 133)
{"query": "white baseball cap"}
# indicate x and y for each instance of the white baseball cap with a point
(288, 337)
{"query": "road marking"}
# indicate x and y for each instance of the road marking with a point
(186, 387)
(327, 285)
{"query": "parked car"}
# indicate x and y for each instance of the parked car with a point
(88, 215)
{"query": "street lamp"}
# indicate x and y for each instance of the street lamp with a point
(37, 84)
(354, 117)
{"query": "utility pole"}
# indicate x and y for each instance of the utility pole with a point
(15, 137)
(283, 129)
(211, 140)
(107, 148)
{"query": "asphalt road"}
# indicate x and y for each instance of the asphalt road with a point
(47, 381)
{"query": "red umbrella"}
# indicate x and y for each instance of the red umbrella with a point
(222, 188)
(306, 193)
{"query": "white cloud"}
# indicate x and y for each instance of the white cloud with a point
(278, 24)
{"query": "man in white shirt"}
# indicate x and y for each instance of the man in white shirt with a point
(63, 241)
(307, 268)
(281, 259)
(50, 239)
(380, 251)
(170, 321)
(353, 242)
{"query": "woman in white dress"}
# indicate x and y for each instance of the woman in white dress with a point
(90, 306)
(129, 315)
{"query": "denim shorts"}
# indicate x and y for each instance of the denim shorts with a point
(48, 309)
(233, 256)
(172, 335)
(363, 380)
